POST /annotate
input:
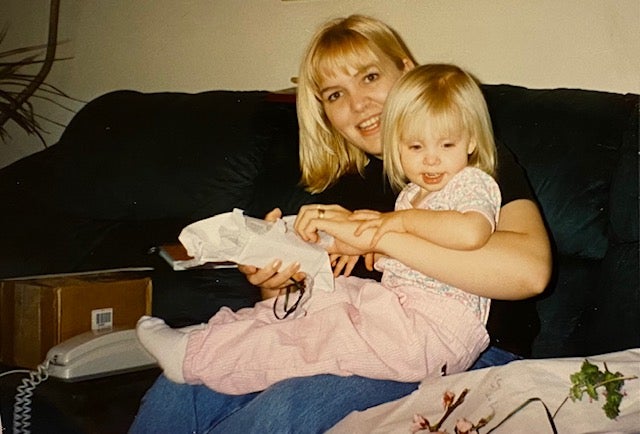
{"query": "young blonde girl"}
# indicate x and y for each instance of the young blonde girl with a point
(439, 148)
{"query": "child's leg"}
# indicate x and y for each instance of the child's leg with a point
(251, 353)
(360, 329)
(167, 345)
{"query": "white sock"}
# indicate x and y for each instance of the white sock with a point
(188, 329)
(167, 345)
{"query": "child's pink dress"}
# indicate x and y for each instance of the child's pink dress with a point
(405, 328)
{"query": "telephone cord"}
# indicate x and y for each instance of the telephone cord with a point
(22, 405)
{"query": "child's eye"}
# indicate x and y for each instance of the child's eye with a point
(448, 145)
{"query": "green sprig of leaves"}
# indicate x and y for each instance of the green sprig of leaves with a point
(590, 378)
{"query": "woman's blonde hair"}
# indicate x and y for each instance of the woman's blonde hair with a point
(352, 42)
(451, 99)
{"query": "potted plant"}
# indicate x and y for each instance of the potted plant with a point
(17, 85)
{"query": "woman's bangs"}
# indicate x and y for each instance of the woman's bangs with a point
(341, 56)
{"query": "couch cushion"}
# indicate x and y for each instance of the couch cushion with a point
(561, 309)
(612, 321)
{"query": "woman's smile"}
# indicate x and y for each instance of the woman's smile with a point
(371, 125)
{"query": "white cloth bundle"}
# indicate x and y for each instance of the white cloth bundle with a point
(499, 390)
(234, 237)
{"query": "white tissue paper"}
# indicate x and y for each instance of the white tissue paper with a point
(234, 237)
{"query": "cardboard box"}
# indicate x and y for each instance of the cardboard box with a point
(38, 313)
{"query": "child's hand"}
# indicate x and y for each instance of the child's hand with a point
(345, 241)
(383, 223)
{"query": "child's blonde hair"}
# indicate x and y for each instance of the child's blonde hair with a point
(451, 99)
(352, 42)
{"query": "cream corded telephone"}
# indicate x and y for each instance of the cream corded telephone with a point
(97, 354)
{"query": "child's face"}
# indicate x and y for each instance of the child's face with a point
(432, 158)
(353, 99)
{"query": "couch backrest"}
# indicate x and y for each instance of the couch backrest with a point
(578, 148)
(134, 156)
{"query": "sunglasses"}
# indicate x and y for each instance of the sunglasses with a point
(296, 286)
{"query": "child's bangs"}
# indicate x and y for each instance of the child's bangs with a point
(440, 121)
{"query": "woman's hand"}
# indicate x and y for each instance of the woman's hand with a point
(337, 222)
(364, 214)
(349, 262)
(304, 224)
(343, 223)
(341, 263)
(271, 279)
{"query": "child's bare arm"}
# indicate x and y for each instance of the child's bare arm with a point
(450, 229)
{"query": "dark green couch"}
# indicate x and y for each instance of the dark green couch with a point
(132, 169)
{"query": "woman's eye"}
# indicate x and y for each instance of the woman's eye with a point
(372, 76)
(333, 96)
(448, 145)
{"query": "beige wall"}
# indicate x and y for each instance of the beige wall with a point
(196, 45)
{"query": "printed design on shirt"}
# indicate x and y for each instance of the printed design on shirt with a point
(470, 190)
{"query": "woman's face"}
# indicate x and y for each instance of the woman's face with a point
(353, 101)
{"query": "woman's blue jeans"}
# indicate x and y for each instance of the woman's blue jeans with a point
(297, 405)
